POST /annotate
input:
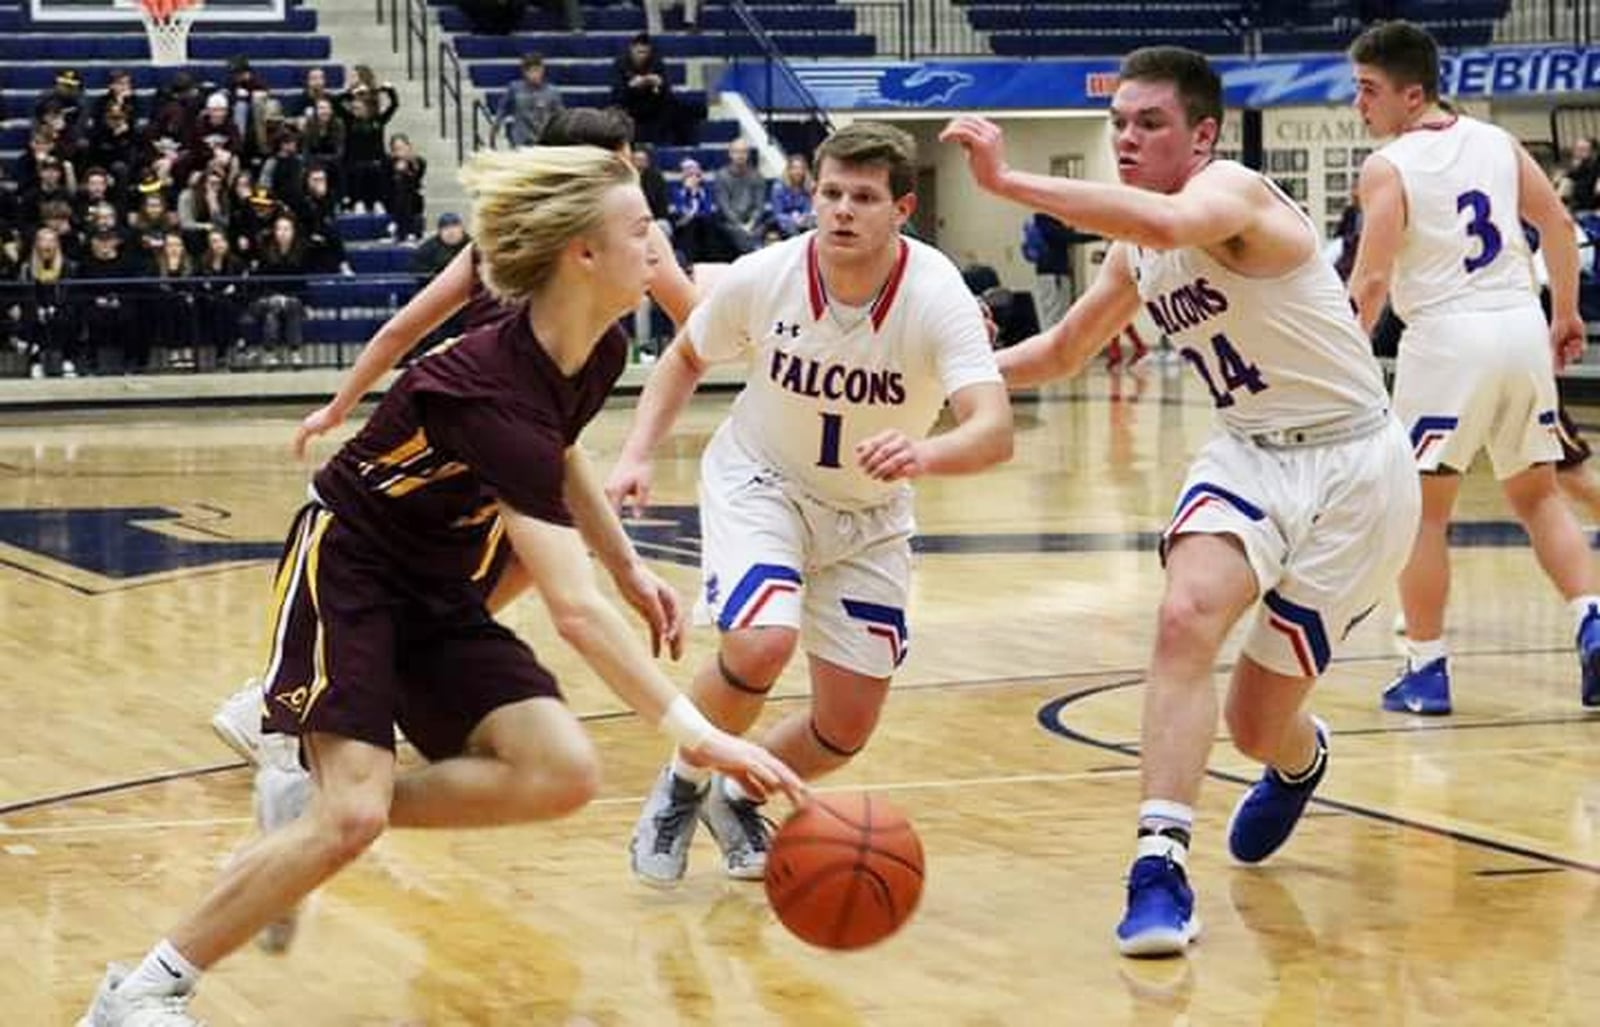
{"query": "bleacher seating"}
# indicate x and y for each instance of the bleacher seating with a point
(342, 310)
(580, 64)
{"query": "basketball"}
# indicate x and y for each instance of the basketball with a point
(845, 871)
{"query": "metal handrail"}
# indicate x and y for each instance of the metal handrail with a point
(452, 97)
(485, 126)
(778, 65)
(418, 31)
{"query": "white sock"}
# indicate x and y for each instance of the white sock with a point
(1580, 608)
(1424, 653)
(689, 772)
(734, 791)
(1164, 830)
(163, 972)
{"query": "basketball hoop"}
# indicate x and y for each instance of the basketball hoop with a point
(167, 23)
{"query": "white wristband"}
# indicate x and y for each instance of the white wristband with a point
(685, 723)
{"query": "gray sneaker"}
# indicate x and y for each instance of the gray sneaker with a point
(741, 831)
(111, 1008)
(659, 850)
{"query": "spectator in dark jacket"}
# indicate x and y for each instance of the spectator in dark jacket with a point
(366, 113)
(791, 198)
(641, 86)
(436, 253)
(403, 188)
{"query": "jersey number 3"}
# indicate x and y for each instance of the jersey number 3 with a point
(1481, 228)
(1235, 373)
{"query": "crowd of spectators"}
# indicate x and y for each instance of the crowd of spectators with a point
(218, 198)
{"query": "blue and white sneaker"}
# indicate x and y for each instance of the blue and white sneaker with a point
(1589, 655)
(1267, 814)
(1426, 690)
(1160, 920)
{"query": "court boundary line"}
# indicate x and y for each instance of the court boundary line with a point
(1049, 717)
(1123, 677)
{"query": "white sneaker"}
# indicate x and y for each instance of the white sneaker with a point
(741, 831)
(112, 1009)
(69, 369)
(281, 795)
(35, 370)
(238, 722)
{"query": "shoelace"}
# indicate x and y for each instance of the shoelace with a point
(670, 822)
(757, 826)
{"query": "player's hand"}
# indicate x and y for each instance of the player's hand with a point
(985, 146)
(318, 422)
(657, 602)
(629, 482)
(1568, 338)
(889, 456)
(758, 772)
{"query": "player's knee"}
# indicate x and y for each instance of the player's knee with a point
(1528, 497)
(752, 658)
(350, 826)
(1186, 617)
(571, 783)
(843, 735)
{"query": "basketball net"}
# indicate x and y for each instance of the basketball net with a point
(167, 23)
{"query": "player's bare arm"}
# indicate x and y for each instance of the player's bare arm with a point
(1383, 224)
(1063, 349)
(559, 564)
(596, 519)
(428, 309)
(1217, 205)
(449, 291)
(982, 438)
(672, 382)
(1539, 205)
(669, 286)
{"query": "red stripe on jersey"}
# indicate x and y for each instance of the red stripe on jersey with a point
(880, 309)
(819, 297)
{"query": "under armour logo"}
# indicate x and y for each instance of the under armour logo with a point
(783, 328)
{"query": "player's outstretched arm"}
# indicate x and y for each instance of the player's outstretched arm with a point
(559, 564)
(1383, 225)
(1062, 350)
(427, 310)
(1216, 205)
(672, 382)
(1539, 205)
(669, 286)
(653, 599)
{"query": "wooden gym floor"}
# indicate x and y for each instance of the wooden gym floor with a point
(1449, 873)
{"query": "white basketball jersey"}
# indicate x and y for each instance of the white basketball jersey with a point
(1275, 353)
(823, 376)
(1463, 248)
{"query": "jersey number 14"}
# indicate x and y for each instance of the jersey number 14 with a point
(1232, 370)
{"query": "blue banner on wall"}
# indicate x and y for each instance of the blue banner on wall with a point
(1089, 82)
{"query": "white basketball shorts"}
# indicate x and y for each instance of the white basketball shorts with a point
(1326, 530)
(773, 556)
(1484, 380)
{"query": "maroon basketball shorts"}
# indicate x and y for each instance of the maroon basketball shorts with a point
(1574, 447)
(359, 647)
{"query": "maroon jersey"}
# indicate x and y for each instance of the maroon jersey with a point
(484, 418)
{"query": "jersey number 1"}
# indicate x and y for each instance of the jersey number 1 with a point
(832, 429)
(1236, 374)
(1481, 227)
